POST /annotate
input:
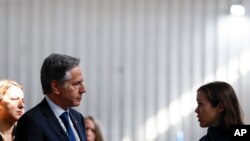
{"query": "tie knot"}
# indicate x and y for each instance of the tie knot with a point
(64, 116)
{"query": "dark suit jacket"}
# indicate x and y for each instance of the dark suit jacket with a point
(41, 124)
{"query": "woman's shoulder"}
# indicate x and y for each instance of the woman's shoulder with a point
(204, 138)
(1, 137)
(215, 134)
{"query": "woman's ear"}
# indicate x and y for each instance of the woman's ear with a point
(55, 87)
(220, 107)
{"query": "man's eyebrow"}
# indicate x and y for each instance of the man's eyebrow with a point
(78, 81)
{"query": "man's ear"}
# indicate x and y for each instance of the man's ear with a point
(55, 87)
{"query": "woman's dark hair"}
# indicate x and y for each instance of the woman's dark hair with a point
(219, 92)
(55, 67)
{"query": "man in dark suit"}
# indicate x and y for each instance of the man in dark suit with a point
(53, 119)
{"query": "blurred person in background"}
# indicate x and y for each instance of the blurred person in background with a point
(218, 108)
(11, 108)
(93, 130)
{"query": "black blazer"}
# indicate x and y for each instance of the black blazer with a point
(41, 124)
(216, 134)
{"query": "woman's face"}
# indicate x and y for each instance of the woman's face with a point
(90, 130)
(12, 104)
(208, 116)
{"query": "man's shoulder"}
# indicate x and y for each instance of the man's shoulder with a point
(75, 112)
(35, 111)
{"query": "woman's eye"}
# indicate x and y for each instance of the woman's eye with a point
(199, 103)
(14, 98)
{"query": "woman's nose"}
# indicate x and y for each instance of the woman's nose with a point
(196, 110)
(21, 103)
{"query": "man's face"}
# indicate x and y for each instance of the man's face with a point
(12, 104)
(72, 89)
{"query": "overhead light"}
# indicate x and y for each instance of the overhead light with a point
(237, 10)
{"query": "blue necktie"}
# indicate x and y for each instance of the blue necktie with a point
(65, 118)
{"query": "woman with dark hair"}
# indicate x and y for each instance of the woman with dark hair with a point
(93, 131)
(218, 108)
(11, 108)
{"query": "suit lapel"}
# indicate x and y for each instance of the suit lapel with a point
(77, 126)
(53, 121)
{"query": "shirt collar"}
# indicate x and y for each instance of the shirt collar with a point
(55, 108)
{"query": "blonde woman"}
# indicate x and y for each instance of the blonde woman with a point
(11, 108)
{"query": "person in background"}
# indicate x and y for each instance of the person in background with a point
(53, 119)
(218, 108)
(93, 130)
(11, 108)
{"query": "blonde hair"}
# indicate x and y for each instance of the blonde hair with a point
(6, 84)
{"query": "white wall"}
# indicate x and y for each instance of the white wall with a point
(142, 59)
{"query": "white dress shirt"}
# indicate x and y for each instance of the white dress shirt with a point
(58, 111)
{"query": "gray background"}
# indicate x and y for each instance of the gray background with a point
(142, 59)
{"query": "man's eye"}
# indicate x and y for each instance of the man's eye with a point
(75, 84)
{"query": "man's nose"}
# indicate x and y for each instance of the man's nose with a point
(83, 89)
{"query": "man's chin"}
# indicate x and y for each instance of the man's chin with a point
(76, 104)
